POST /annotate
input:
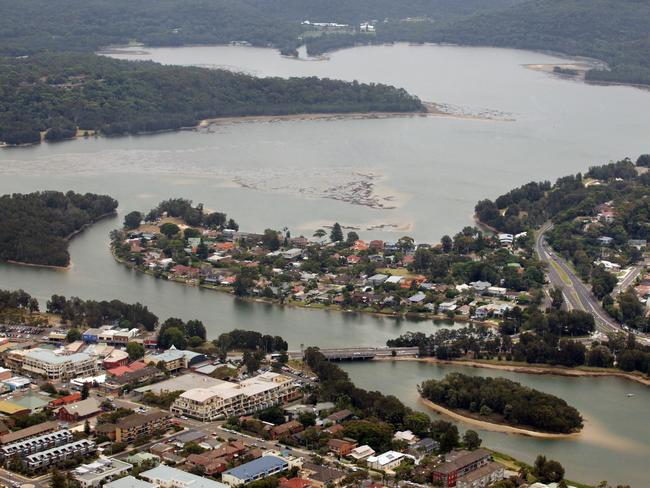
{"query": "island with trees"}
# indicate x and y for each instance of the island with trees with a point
(57, 96)
(35, 228)
(502, 401)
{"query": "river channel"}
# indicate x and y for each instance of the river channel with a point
(386, 177)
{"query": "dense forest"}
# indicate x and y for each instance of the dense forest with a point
(508, 400)
(87, 25)
(60, 93)
(614, 31)
(35, 227)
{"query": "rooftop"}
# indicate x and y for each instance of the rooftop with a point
(256, 467)
(167, 473)
(129, 482)
(184, 382)
(50, 357)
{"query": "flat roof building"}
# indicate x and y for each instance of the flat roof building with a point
(58, 366)
(99, 472)
(129, 482)
(227, 399)
(58, 454)
(255, 470)
(168, 477)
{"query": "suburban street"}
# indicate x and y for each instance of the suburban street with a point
(576, 294)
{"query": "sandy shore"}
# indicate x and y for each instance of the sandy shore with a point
(508, 429)
(540, 369)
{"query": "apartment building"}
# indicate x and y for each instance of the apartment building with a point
(58, 366)
(59, 454)
(459, 464)
(227, 399)
(36, 444)
(139, 425)
(28, 432)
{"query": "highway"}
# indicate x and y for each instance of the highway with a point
(576, 294)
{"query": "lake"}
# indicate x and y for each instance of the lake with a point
(613, 444)
(430, 171)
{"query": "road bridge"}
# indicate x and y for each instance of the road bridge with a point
(360, 353)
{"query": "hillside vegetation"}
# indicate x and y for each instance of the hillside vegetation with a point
(35, 227)
(60, 93)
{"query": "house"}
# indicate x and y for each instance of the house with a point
(605, 240)
(65, 400)
(353, 259)
(480, 286)
(254, 470)
(362, 452)
(341, 447)
(506, 239)
(497, 291)
(405, 436)
(418, 298)
(608, 265)
(386, 461)
(445, 307)
(339, 416)
(394, 280)
(79, 410)
(323, 476)
(377, 279)
(423, 447)
(288, 428)
(295, 483)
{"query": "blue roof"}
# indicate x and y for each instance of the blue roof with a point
(257, 467)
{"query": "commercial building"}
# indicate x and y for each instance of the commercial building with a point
(139, 425)
(58, 454)
(175, 359)
(386, 461)
(99, 472)
(458, 464)
(168, 477)
(255, 470)
(79, 410)
(227, 399)
(36, 444)
(57, 366)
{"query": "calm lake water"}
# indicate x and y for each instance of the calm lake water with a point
(303, 174)
(613, 445)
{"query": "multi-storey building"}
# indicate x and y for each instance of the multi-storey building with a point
(36, 444)
(101, 471)
(28, 432)
(459, 464)
(139, 425)
(175, 359)
(59, 454)
(227, 399)
(58, 366)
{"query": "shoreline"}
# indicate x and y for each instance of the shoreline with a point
(293, 304)
(532, 369)
(67, 239)
(507, 429)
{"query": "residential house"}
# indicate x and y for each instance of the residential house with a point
(386, 461)
(288, 428)
(362, 452)
(341, 447)
(254, 470)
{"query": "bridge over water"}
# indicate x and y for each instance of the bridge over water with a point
(360, 353)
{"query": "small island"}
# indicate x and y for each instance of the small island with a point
(35, 228)
(502, 402)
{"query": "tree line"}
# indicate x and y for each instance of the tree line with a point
(66, 92)
(507, 400)
(35, 227)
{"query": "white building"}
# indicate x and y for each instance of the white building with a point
(99, 472)
(227, 399)
(406, 436)
(168, 477)
(362, 452)
(386, 461)
(58, 366)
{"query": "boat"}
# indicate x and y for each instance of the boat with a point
(630, 395)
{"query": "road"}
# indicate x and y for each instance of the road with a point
(576, 294)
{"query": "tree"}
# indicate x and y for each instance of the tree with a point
(135, 350)
(446, 243)
(336, 235)
(169, 230)
(172, 336)
(73, 335)
(548, 470)
(58, 479)
(132, 220)
(271, 240)
(252, 360)
(319, 234)
(85, 390)
(643, 160)
(472, 440)
(307, 419)
(557, 297)
(418, 422)
(351, 238)
(195, 328)
(87, 427)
